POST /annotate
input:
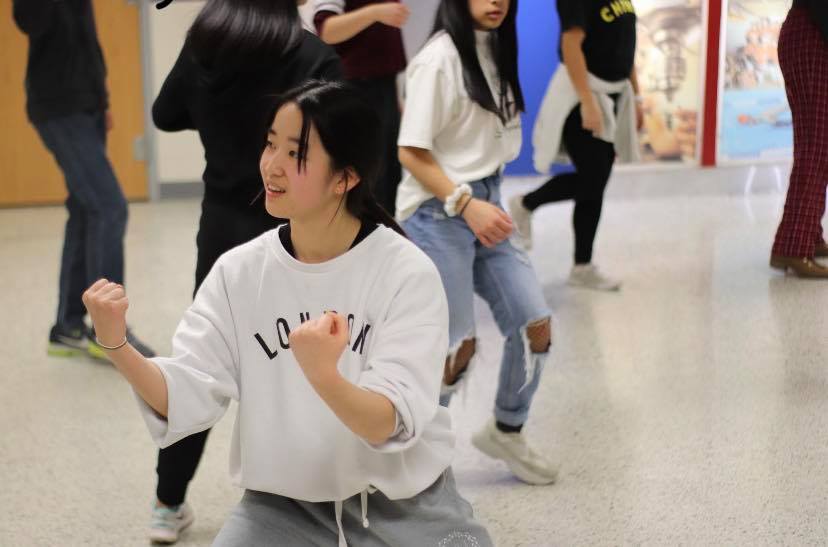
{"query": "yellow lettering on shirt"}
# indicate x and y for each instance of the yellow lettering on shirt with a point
(616, 9)
(606, 15)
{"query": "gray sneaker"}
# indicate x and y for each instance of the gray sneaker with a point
(589, 276)
(522, 218)
(527, 465)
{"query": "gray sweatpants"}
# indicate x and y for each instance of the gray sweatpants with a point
(437, 517)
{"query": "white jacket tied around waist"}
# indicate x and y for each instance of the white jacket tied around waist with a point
(561, 97)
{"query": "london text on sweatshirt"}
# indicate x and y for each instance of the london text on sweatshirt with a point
(232, 344)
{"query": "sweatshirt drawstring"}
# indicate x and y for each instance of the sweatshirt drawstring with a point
(363, 498)
(338, 512)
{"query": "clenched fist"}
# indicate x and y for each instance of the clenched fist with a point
(107, 304)
(318, 344)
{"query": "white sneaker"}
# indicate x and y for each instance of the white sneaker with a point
(590, 277)
(522, 218)
(167, 523)
(527, 465)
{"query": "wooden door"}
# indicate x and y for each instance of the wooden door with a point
(30, 175)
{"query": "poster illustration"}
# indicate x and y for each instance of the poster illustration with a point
(755, 120)
(669, 60)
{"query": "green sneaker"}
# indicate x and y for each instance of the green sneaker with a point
(67, 342)
(96, 351)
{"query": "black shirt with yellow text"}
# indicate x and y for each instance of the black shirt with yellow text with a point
(609, 46)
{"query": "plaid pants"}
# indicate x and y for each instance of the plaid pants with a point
(803, 57)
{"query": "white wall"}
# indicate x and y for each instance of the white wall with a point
(180, 156)
(419, 26)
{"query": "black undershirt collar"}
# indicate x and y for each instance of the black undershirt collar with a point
(364, 231)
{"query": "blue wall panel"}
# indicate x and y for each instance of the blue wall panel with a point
(538, 32)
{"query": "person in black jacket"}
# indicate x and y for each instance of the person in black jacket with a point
(803, 58)
(237, 56)
(68, 104)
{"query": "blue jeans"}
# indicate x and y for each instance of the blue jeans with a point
(503, 277)
(93, 245)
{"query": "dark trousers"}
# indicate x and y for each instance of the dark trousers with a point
(593, 160)
(93, 245)
(382, 95)
(225, 223)
(803, 57)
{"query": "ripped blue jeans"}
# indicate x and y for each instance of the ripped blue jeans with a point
(504, 277)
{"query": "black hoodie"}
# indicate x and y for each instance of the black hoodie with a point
(66, 73)
(229, 111)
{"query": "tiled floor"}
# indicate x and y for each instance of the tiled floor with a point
(688, 409)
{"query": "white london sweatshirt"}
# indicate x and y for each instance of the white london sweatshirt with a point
(233, 344)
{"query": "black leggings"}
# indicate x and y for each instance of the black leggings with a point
(593, 160)
(226, 221)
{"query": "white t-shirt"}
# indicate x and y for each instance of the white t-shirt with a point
(233, 343)
(468, 141)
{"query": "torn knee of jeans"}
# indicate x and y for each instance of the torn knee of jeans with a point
(458, 361)
(539, 334)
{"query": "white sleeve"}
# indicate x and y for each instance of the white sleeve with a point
(429, 106)
(336, 6)
(202, 374)
(408, 356)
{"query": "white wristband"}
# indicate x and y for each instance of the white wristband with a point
(450, 207)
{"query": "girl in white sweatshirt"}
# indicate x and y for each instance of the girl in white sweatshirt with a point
(330, 332)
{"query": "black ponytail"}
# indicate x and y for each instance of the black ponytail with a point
(350, 131)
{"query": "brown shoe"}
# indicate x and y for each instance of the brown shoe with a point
(821, 250)
(802, 267)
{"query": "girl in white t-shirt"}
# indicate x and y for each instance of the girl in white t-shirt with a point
(338, 417)
(460, 125)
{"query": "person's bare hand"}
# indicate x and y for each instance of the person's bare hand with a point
(392, 14)
(107, 304)
(318, 344)
(591, 117)
(490, 224)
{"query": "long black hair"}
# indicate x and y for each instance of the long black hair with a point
(350, 131)
(234, 35)
(454, 17)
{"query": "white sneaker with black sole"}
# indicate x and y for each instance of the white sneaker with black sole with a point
(527, 464)
(588, 276)
(167, 523)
